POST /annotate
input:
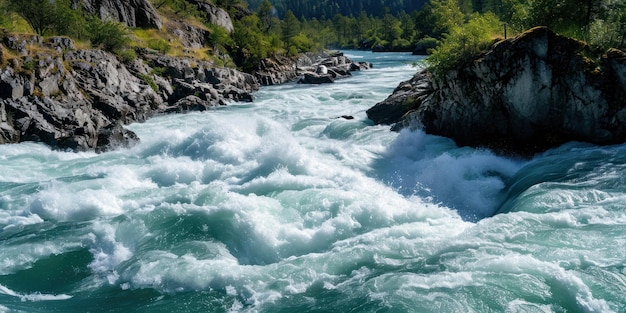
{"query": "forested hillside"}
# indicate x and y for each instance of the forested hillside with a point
(242, 33)
(323, 9)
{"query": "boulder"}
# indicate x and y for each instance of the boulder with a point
(316, 79)
(308, 68)
(279, 69)
(524, 95)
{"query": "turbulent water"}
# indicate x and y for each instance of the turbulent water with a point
(281, 206)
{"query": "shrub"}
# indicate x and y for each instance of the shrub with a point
(148, 80)
(108, 35)
(48, 17)
(126, 55)
(426, 45)
(463, 43)
(159, 44)
(301, 42)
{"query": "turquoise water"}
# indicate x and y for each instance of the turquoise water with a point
(280, 206)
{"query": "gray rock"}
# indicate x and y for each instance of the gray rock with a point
(316, 79)
(80, 99)
(216, 15)
(191, 103)
(20, 42)
(309, 68)
(133, 13)
(523, 96)
(60, 43)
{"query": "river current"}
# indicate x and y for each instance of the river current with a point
(282, 205)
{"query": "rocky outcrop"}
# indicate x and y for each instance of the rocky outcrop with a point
(190, 36)
(184, 77)
(79, 99)
(216, 15)
(133, 13)
(523, 96)
(77, 107)
(307, 68)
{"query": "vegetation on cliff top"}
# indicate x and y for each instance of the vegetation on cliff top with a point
(449, 29)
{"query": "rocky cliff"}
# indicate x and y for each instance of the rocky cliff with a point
(77, 99)
(524, 95)
(133, 13)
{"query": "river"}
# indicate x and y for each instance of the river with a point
(282, 205)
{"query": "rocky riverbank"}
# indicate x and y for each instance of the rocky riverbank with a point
(79, 99)
(308, 68)
(525, 95)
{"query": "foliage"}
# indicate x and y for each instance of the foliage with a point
(148, 80)
(108, 35)
(301, 43)
(611, 31)
(326, 9)
(178, 7)
(219, 37)
(448, 15)
(251, 43)
(159, 44)
(426, 44)
(126, 55)
(49, 17)
(464, 42)
(4, 7)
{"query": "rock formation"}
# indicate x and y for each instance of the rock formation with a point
(79, 99)
(133, 13)
(215, 15)
(305, 68)
(524, 95)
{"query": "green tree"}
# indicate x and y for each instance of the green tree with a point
(407, 26)
(48, 17)
(40, 14)
(447, 14)
(70, 21)
(290, 26)
(463, 42)
(391, 29)
(424, 21)
(266, 16)
(251, 44)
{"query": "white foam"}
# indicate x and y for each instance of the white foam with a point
(33, 296)
(470, 181)
(64, 204)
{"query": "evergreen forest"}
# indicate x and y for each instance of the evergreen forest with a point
(445, 29)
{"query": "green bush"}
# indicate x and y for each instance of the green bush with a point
(47, 17)
(301, 42)
(126, 55)
(108, 35)
(148, 80)
(426, 45)
(463, 43)
(159, 44)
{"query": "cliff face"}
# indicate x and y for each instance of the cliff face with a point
(523, 96)
(133, 13)
(79, 99)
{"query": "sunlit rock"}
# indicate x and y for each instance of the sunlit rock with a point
(524, 95)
